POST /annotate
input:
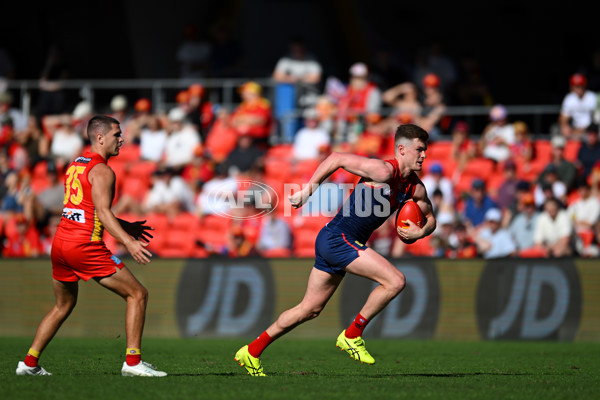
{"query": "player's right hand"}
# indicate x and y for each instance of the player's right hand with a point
(138, 251)
(300, 197)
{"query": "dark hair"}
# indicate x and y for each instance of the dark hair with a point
(100, 124)
(554, 200)
(411, 131)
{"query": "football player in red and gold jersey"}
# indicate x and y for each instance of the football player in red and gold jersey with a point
(78, 251)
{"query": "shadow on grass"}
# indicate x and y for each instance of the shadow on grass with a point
(452, 375)
(377, 376)
(207, 374)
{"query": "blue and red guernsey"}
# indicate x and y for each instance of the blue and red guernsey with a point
(369, 206)
(79, 222)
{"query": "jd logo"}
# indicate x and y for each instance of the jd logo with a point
(413, 314)
(529, 300)
(225, 298)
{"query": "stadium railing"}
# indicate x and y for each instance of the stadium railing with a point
(540, 118)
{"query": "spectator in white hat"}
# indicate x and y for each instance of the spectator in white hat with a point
(182, 142)
(492, 240)
(311, 141)
(498, 135)
(362, 97)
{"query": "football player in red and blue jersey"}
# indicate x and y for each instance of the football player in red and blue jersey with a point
(340, 246)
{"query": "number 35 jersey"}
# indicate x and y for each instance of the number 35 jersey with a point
(79, 222)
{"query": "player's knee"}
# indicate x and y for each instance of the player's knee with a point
(312, 313)
(140, 294)
(145, 294)
(66, 307)
(398, 283)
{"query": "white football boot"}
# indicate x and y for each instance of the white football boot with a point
(141, 369)
(23, 369)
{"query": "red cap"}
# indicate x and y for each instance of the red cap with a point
(405, 118)
(143, 105)
(431, 80)
(373, 117)
(527, 199)
(461, 126)
(182, 97)
(196, 89)
(578, 80)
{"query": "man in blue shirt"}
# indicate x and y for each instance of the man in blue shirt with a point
(478, 203)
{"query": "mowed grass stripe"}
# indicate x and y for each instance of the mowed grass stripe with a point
(309, 369)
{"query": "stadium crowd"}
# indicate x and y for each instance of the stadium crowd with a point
(500, 192)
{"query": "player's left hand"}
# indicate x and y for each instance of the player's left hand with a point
(413, 232)
(139, 231)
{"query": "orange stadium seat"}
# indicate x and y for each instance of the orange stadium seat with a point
(119, 168)
(129, 153)
(304, 241)
(40, 170)
(494, 182)
(178, 243)
(213, 230)
(543, 150)
(441, 150)
(130, 217)
(421, 248)
(215, 222)
(137, 187)
(160, 222)
(463, 185)
(479, 167)
(305, 252)
(212, 240)
(283, 151)
(530, 171)
(571, 150)
(276, 253)
(159, 235)
(40, 183)
(276, 168)
(311, 222)
(10, 226)
(305, 169)
(276, 184)
(185, 221)
(142, 169)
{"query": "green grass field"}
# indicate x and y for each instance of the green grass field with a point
(309, 369)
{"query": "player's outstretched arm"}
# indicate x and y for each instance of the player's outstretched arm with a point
(369, 168)
(102, 179)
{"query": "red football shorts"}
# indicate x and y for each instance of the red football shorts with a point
(72, 261)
